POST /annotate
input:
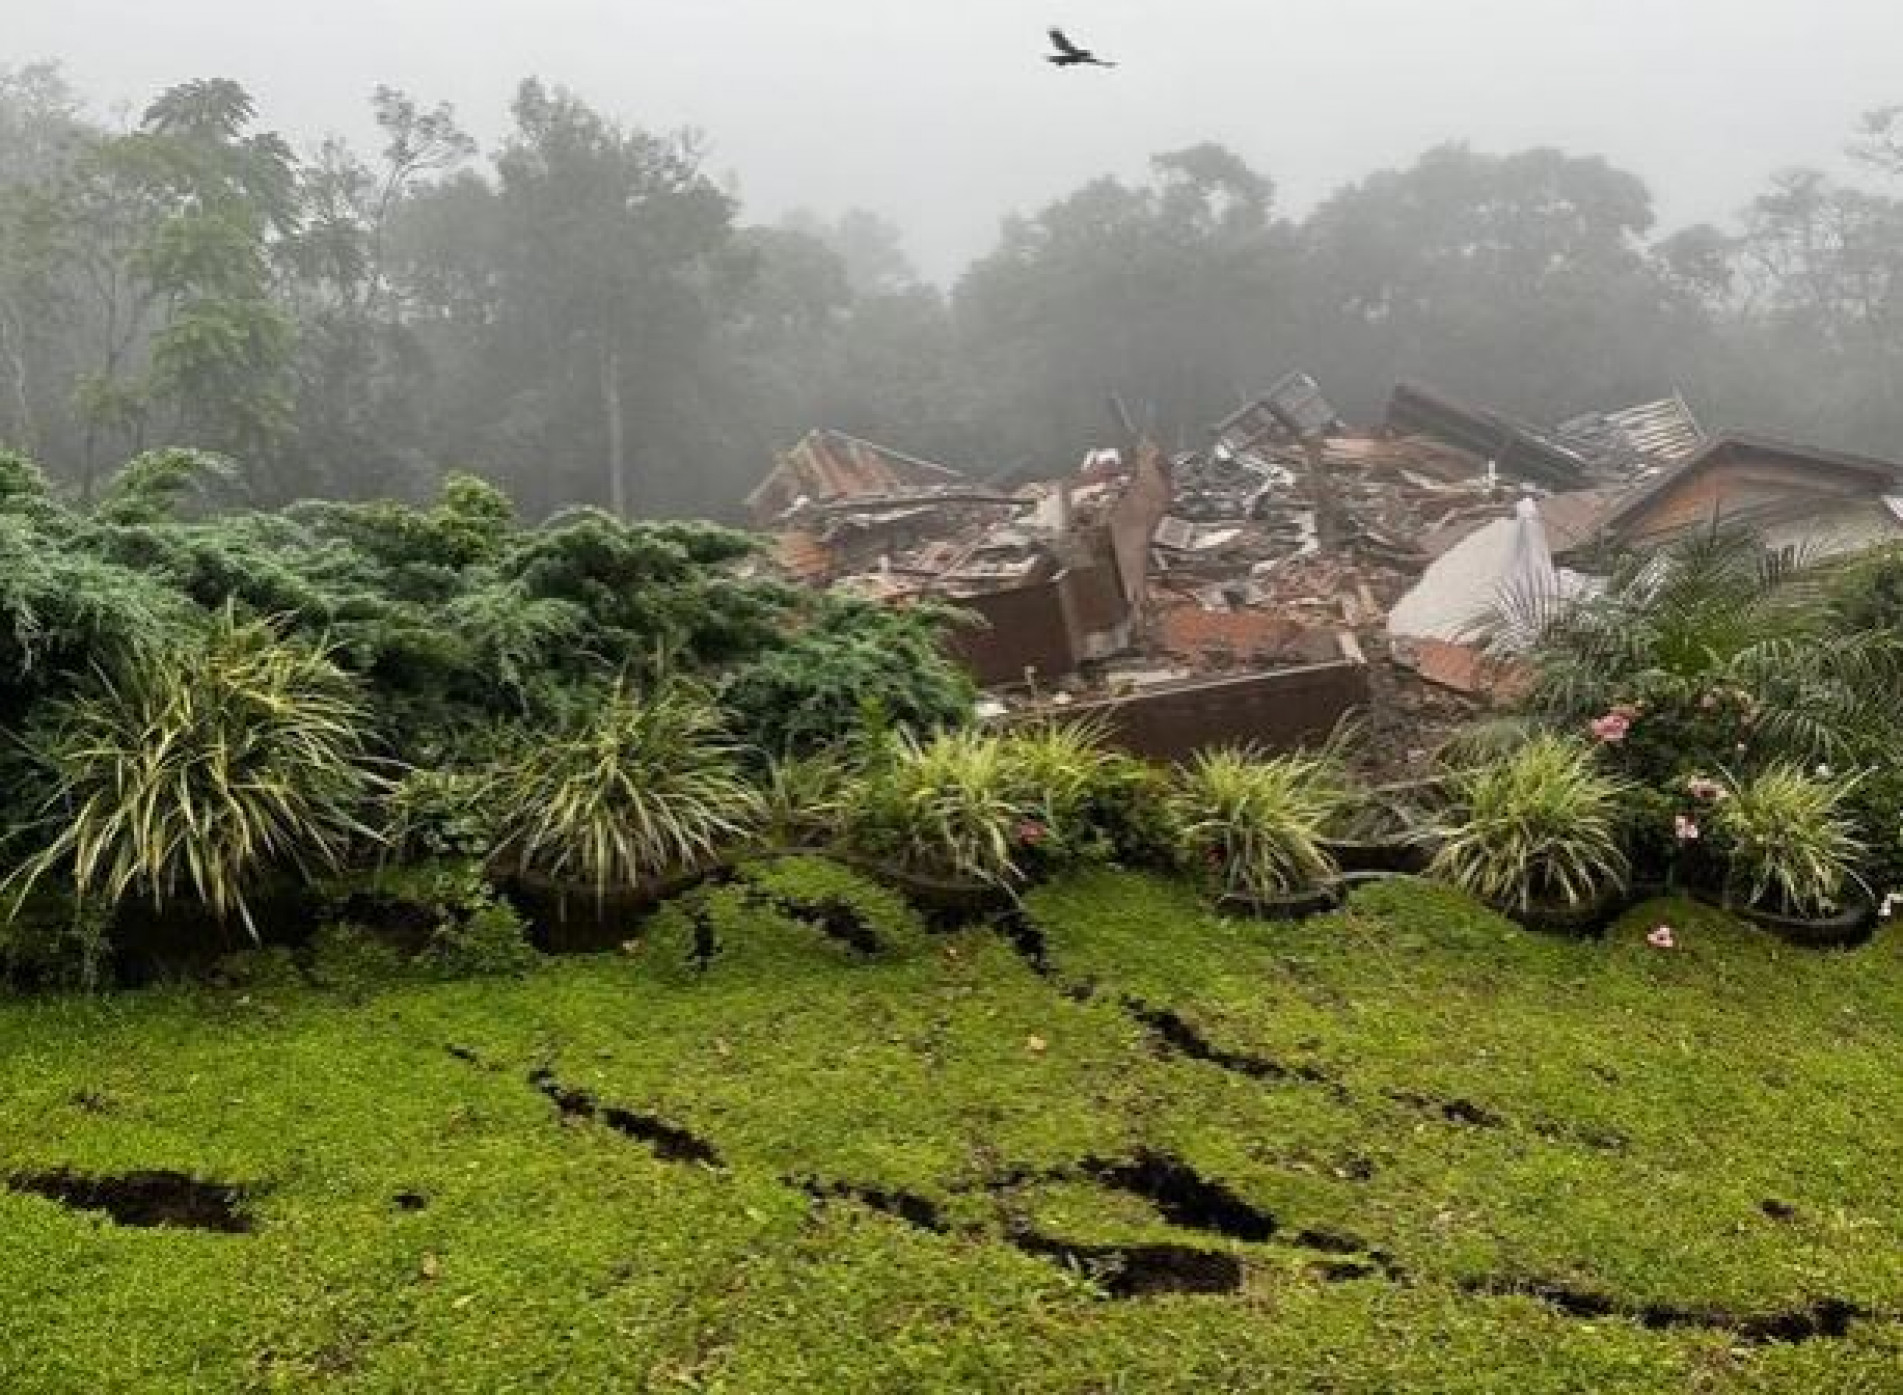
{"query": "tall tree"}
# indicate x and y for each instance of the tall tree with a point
(615, 249)
(1168, 293)
(1523, 279)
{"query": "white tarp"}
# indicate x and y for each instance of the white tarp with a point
(1461, 592)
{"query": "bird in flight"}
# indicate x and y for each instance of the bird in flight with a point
(1068, 55)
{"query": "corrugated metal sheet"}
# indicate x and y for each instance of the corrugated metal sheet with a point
(829, 465)
(1652, 433)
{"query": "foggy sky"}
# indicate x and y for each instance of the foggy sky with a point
(941, 116)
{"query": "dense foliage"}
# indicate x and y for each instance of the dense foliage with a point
(583, 312)
(1717, 651)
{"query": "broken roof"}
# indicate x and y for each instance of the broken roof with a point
(1879, 476)
(1516, 448)
(1662, 432)
(830, 465)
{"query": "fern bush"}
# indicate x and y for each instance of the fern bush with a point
(1537, 828)
(1716, 650)
(195, 772)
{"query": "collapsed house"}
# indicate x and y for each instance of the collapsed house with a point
(1296, 568)
(1823, 502)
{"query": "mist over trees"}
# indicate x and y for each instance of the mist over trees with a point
(586, 316)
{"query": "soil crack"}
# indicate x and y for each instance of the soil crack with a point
(145, 1200)
(1139, 1271)
(1826, 1318)
(670, 1142)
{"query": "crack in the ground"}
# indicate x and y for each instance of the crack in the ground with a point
(1181, 1196)
(670, 1142)
(1121, 1271)
(1824, 1318)
(1184, 1197)
(1454, 1111)
(1175, 1032)
(919, 1212)
(144, 1200)
(1139, 1271)
(833, 916)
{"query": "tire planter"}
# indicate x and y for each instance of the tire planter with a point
(1300, 906)
(945, 901)
(1353, 881)
(573, 918)
(1587, 921)
(1396, 856)
(1853, 925)
(1850, 926)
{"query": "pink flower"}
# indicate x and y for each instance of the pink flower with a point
(1031, 833)
(1708, 702)
(1662, 938)
(1701, 788)
(1612, 727)
(1686, 828)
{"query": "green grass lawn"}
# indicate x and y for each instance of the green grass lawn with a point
(1403, 1148)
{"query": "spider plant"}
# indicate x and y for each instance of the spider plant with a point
(951, 805)
(198, 769)
(1054, 769)
(1790, 840)
(639, 787)
(1259, 823)
(1537, 828)
(804, 798)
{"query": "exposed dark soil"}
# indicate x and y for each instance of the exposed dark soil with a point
(917, 1211)
(834, 917)
(1825, 1318)
(1183, 1197)
(1140, 1271)
(670, 1142)
(1455, 1111)
(1175, 1033)
(146, 1200)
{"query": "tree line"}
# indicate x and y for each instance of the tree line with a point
(584, 315)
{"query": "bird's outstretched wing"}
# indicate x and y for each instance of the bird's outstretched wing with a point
(1065, 46)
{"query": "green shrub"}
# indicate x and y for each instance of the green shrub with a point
(198, 771)
(48, 944)
(488, 940)
(1788, 840)
(1537, 828)
(1256, 824)
(1716, 650)
(1875, 805)
(949, 806)
(808, 693)
(1127, 812)
(430, 815)
(353, 959)
(804, 799)
(1084, 802)
(640, 788)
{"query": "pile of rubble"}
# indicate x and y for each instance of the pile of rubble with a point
(1284, 545)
